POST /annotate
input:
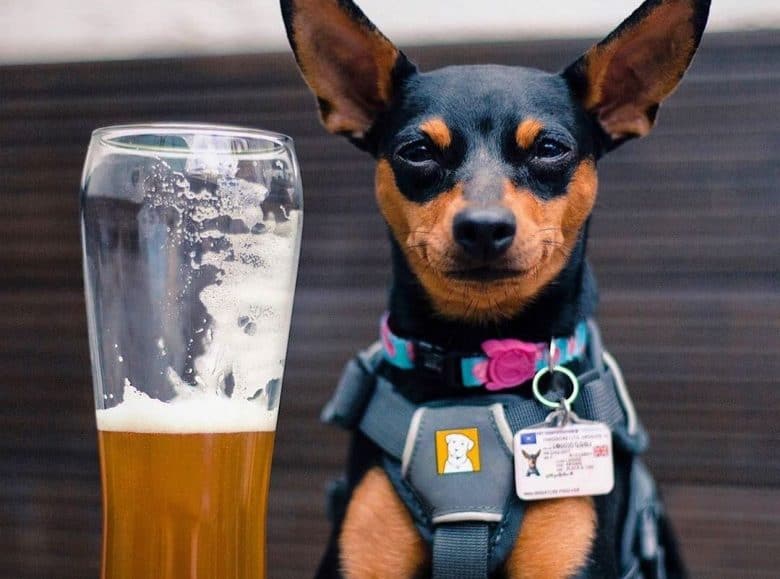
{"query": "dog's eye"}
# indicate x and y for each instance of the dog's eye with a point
(417, 153)
(548, 149)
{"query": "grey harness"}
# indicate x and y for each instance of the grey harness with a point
(451, 461)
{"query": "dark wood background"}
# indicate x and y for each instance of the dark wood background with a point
(684, 242)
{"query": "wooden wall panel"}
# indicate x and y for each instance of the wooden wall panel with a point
(684, 244)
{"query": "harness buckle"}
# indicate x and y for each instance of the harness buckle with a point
(429, 357)
(438, 361)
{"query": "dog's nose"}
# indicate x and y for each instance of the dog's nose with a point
(484, 232)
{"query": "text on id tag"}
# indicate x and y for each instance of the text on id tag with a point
(563, 461)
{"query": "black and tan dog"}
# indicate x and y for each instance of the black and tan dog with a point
(486, 177)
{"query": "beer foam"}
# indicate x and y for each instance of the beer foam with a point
(196, 414)
(250, 309)
(225, 371)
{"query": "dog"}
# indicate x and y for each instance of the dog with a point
(458, 447)
(486, 178)
(531, 458)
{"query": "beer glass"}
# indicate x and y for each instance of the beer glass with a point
(190, 236)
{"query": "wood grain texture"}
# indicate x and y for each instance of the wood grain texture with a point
(684, 243)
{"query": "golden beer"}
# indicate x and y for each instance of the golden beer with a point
(184, 506)
(191, 236)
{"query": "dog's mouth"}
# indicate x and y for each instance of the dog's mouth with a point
(486, 273)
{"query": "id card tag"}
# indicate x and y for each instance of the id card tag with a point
(563, 461)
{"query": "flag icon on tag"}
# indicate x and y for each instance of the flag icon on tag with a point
(528, 438)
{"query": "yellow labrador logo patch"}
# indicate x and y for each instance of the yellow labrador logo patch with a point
(457, 450)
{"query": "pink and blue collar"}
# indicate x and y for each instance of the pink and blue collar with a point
(502, 364)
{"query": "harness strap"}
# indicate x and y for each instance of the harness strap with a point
(600, 400)
(642, 551)
(461, 550)
(597, 400)
(388, 416)
(464, 548)
(521, 416)
(354, 390)
(387, 419)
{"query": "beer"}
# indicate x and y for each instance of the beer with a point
(191, 236)
(178, 503)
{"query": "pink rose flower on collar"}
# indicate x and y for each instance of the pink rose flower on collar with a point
(509, 363)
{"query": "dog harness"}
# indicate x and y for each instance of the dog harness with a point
(451, 461)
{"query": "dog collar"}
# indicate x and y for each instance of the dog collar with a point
(502, 364)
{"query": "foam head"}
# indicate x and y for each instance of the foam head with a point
(197, 414)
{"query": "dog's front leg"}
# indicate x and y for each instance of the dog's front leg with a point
(555, 539)
(378, 539)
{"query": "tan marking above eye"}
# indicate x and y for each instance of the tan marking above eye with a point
(437, 131)
(527, 132)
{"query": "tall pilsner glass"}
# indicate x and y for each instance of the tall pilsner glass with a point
(191, 236)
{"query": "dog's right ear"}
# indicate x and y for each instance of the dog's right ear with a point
(351, 67)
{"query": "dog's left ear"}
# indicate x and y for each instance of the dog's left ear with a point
(350, 66)
(622, 80)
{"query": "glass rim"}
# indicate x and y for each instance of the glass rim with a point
(108, 138)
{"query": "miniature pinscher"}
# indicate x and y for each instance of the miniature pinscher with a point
(533, 470)
(486, 178)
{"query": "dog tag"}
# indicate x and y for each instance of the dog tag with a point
(563, 461)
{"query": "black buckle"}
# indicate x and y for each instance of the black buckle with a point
(436, 360)
(429, 357)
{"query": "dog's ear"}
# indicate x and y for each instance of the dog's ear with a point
(622, 80)
(351, 67)
(525, 454)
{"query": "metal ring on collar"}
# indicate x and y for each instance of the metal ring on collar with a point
(575, 385)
